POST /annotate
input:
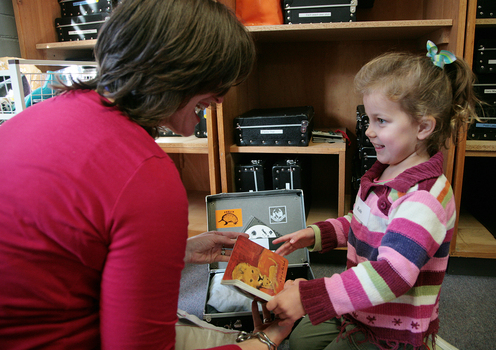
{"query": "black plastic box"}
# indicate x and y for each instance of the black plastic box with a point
(290, 126)
(486, 9)
(252, 176)
(319, 11)
(80, 27)
(73, 8)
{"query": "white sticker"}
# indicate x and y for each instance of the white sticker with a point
(361, 211)
(490, 91)
(315, 14)
(277, 131)
(76, 32)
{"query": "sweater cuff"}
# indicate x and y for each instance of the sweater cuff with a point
(317, 247)
(328, 235)
(315, 300)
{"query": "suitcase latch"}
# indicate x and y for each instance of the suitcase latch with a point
(304, 126)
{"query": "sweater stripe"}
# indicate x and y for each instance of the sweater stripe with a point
(394, 258)
(406, 247)
(381, 287)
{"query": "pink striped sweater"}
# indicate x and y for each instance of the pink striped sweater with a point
(397, 256)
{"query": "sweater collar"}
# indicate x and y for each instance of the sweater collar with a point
(433, 168)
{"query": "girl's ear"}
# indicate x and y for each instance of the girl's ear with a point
(426, 127)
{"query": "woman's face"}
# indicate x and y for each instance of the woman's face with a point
(184, 120)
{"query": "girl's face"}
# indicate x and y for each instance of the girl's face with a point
(393, 133)
(184, 120)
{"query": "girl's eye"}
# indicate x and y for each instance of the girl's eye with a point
(380, 121)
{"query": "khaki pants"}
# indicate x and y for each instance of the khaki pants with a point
(324, 336)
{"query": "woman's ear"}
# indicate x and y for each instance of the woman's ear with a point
(426, 127)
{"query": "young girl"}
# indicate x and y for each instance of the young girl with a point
(399, 233)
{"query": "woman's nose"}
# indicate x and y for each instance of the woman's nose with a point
(219, 99)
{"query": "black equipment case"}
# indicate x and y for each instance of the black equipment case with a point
(73, 8)
(289, 174)
(485, 56)
(365, 155)
(278, 211)
(290, 126)
(319, 11)
(486, 9)
(487, 92)
(252, 176)
(80, 27)
(201, 127)
(366, 152)
(485, 128)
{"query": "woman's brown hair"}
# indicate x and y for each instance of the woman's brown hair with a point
(155, 55)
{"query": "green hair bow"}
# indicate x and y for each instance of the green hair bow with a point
(439, 60)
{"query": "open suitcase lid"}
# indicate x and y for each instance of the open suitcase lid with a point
(279, 211)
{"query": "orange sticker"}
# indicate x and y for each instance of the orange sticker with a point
(228, 218)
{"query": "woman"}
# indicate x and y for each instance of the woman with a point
(93, 214)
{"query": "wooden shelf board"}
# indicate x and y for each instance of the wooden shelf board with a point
(473, 239)
(478, 148)
(312, 148)
(68, 45)
(179, 144)
(197, 213)
(485, 22)
(362, 30)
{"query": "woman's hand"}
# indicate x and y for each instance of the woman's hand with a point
(272, 328)
(296, 240)
(209, 247)
(286, 305)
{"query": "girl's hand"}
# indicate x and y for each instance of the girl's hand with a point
(287, 305)
(296, 240)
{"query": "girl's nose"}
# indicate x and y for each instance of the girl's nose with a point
(369, 132)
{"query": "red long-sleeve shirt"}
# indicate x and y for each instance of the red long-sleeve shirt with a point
(93, 228)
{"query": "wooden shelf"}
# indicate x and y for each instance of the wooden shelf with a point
(338, 149)
(485, 22)
(364, 30)
(68, 45)
(437, 30)
(312, 148)
(179, 144)
(478, 148)
(473, 239)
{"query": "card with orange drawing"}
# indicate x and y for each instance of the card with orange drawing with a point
(254, 270)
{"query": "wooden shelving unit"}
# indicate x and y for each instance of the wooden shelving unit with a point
(315, 64)
(305, 64)
(471, 239)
